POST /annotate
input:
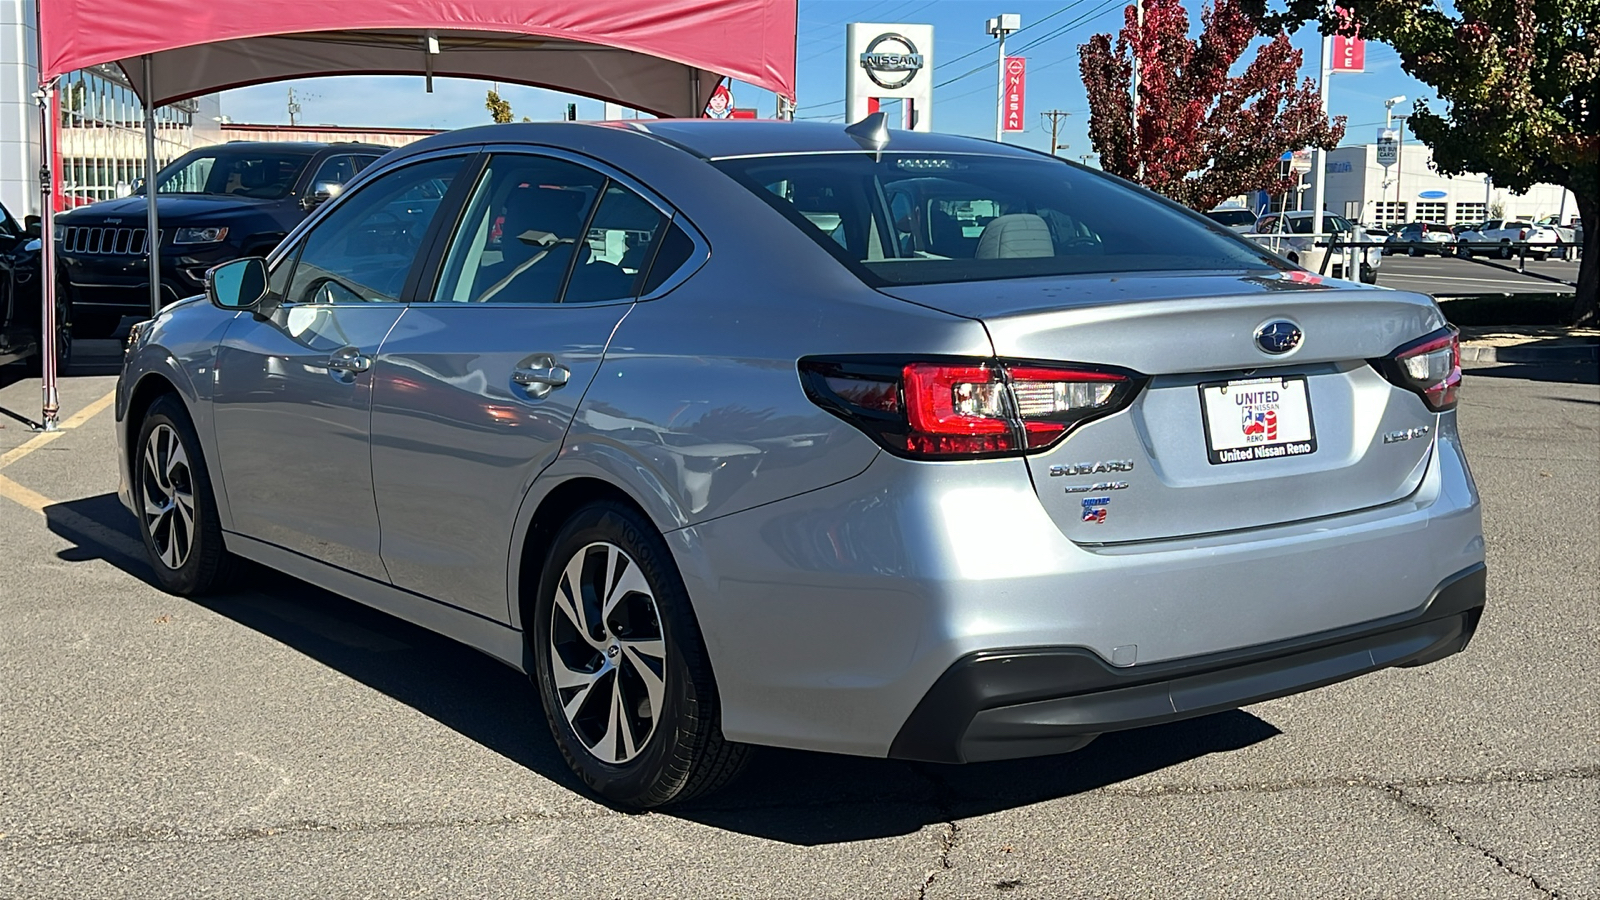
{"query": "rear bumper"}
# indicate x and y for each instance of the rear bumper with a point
(1005, 704)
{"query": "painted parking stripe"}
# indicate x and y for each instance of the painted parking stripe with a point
(46, 437)
(76, 523)
(1547, 285)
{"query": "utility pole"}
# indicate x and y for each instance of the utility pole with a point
(1055, 116)
(999, 27)
(1319, 156)
(1134, 87)
(294, 108)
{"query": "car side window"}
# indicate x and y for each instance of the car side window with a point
(363, 249)
(621, 238)
(675, 251)
(528, 224)
(335, 170)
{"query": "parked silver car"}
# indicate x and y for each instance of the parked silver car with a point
(876, 443)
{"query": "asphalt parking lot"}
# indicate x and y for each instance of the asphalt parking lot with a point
(284, 742)
(1448, 276)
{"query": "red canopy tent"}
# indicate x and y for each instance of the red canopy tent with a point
(664, 57)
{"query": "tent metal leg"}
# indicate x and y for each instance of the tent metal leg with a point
(47, 260)
(152, 229)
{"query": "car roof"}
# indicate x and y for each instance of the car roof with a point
(307, 147)
(721, 138)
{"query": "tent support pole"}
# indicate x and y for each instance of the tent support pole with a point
(47, 261)
(695, 109)
(152, 233)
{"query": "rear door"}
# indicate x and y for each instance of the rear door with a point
(475, 388)
(292, 401)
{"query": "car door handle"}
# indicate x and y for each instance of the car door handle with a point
(541, 376)
(349, 360)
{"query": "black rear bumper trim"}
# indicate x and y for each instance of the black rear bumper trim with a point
(1006, 704)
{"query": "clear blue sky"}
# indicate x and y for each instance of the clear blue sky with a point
(963, 105)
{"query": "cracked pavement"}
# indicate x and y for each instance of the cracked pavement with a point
(282, 741)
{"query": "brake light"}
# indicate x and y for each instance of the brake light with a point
(1429, 366)
(965, 408)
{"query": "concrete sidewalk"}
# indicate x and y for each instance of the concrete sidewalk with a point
(1544, 345)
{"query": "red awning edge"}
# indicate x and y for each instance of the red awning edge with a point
(641, 55)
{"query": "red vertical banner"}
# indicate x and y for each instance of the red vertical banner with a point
(58, 196)
(1016, 87)
(1349, 51)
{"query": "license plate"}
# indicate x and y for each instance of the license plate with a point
(1257, 418)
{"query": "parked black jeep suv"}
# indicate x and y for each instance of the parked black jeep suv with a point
(213, 204)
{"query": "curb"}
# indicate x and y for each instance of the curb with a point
(1569, 355)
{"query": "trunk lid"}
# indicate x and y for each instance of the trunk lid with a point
(1162, 467)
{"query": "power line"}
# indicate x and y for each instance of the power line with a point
(1085, 18)
(982, 49)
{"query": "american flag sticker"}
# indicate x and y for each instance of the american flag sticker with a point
(1094, 509)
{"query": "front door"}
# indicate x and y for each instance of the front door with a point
(292, 401)
(475, 389)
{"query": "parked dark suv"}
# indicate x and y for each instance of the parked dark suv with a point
(214, 203)
(20, 332)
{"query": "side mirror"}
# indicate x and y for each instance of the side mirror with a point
(321, 193)
(32, 226)
(238, 285)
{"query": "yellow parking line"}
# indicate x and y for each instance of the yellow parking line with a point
(28, 497)
(39, 440)
(90, 411)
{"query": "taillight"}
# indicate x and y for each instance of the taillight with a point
(1430, 366)
(964, 408)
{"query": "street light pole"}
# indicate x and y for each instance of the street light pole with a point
(1399, 166)
(999, 27)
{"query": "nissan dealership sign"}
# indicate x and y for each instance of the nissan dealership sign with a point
(890, 62)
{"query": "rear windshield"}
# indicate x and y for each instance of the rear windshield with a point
(918, 218)
(1232, 217)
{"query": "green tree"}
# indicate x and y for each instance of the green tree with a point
(499, 109)
(1520, 81)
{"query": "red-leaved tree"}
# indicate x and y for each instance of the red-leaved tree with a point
(1203, 135)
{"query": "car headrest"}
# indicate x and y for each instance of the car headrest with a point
(543, 211)
(1015, 236)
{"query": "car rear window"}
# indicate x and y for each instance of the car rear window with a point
(919, 218)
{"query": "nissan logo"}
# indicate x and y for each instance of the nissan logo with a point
(906, 60)
(1278, 337)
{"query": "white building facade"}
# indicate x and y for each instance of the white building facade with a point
(1361, 190)
(19, 115)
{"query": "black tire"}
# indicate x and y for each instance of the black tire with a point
(683, 753)
(1505, 250)
(95, 326)
(1369, 275)
(35, 362)
(206, 565)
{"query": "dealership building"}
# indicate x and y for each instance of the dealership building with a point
(1362, 190)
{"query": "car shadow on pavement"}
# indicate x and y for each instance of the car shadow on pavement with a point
(786, 795)
(1567, 373)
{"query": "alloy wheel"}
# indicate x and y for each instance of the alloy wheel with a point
(608, 653)
(167, 486)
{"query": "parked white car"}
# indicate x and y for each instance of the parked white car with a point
(1236, 218)
(1289, 235)
(1506, 231)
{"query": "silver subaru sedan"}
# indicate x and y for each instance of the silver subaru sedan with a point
(760, 433)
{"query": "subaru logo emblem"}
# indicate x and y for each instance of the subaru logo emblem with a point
(1278, 337)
